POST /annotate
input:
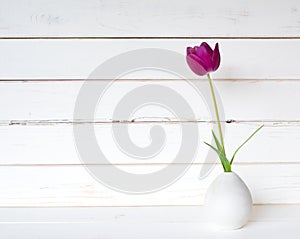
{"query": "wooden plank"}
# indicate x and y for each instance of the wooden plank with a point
(54, 102)
(136, 214)
(135, 230)
(273, 221)
(67, 186)
(54, 144)
(76, 59)
(93, 18)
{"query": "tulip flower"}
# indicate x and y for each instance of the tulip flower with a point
(202, 60)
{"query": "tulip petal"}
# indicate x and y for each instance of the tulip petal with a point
(205, 53)
(192, 50)
(216, 58)
(199, 60)
(196, 64)
(189, 50)
(207, 48)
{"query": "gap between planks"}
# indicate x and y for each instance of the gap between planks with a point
(147, 164)
(164, 120)
(244, 80)
(152, 38)
(147, 206)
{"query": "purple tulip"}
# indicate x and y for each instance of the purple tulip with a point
(202, 59)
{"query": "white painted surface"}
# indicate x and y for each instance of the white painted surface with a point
(152, 222)
(105, 18)
(53, 144)
(72, 185)
(253, 100)
(40, 79)
(76, 59)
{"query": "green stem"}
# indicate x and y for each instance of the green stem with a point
(216, 111)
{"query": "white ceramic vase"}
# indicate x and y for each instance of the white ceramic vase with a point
(228, 202)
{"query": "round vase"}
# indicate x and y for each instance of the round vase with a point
(228, 202)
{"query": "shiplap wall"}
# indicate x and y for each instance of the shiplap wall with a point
(48, 48)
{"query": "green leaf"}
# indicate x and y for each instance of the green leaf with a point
(225, 163)
(219, 145)
(231, 161)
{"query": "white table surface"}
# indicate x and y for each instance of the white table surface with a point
(272, 221)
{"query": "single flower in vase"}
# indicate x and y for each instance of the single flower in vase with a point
(228, 199)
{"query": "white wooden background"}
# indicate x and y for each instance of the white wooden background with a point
(48, 48)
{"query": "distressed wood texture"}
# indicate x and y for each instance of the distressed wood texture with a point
(76, 59)
(135, 230)
(137, 222)
(47, 51)
(258, 82)
(30, 145)
(52, 102)
(192, 18)
(44, 186)
(40, 80)
(180, 214)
